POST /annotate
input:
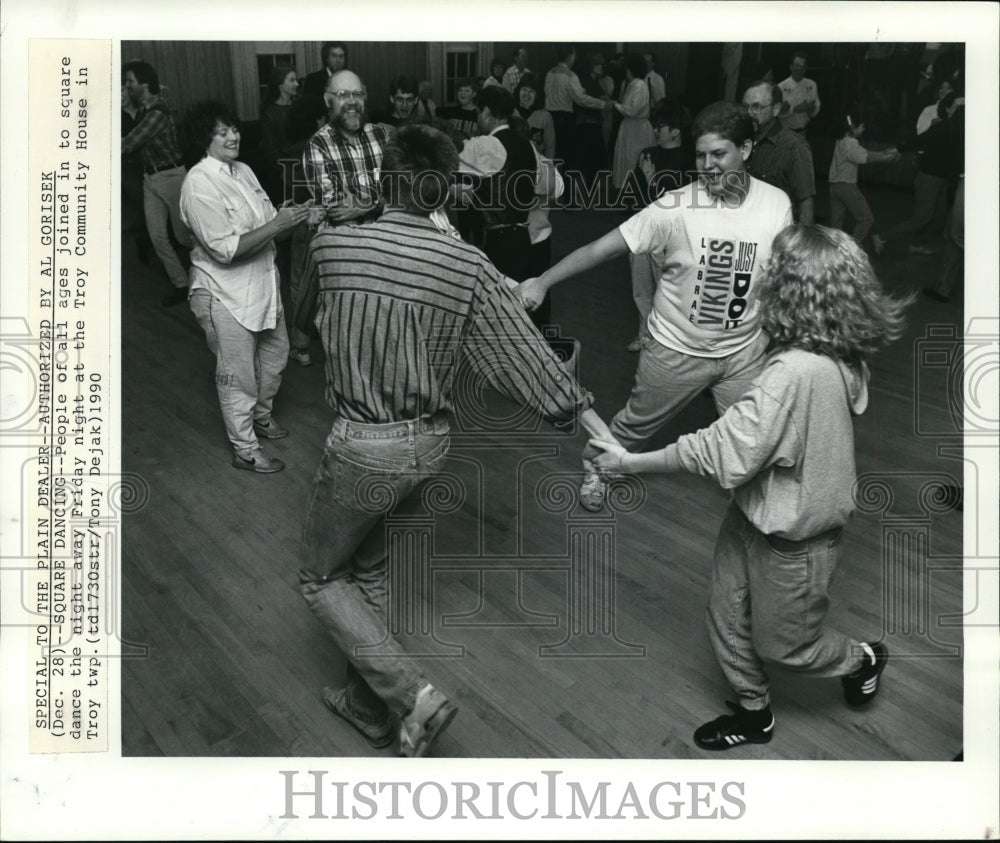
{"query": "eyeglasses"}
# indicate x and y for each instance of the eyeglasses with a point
(349, 95)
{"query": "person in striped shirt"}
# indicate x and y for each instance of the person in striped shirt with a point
(401, 309)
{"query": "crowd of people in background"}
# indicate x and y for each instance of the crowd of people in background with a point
(596, 117)
(437, 215)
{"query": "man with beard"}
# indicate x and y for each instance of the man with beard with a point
(342, 158)
(780, 156)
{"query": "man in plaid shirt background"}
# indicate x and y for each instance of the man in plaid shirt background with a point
(155, 139)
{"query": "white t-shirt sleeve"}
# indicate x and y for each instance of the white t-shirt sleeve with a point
(648, 231)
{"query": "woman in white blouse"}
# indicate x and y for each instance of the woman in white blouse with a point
(636, 132)
(234, 282)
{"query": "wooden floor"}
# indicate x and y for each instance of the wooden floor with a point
(235, 662)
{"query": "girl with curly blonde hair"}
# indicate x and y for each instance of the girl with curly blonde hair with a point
(786, 450)
(820, 294)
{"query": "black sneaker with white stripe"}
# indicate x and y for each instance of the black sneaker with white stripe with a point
(861, 686)
(740, 727)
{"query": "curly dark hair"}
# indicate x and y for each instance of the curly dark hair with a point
(199, 125)
(819, 293)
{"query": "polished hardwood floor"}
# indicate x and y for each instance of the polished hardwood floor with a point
(558, 633)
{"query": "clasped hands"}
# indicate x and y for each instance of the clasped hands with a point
(531, 293)
(610, 463)
(290, 215)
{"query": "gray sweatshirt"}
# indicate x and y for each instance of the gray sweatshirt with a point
(786, 448)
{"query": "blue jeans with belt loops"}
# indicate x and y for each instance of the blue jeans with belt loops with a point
(367, 472)
(768, 602)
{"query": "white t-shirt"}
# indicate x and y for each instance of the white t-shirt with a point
(711, 255)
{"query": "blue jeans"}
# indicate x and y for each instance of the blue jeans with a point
(767, 602)
(367, 472)
(248, 367)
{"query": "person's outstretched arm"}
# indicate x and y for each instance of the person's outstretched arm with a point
(533, 291)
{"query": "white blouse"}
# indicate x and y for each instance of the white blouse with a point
(220, 203)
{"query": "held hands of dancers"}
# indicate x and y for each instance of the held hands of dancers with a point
(531, 293)
(349, 208)
(615, 459)
(290, 215)
(612, 458)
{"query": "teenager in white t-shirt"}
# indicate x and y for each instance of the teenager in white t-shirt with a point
(712, 238)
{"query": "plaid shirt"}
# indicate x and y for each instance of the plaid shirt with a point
(512, 76)
(332, 158)
(155, 138)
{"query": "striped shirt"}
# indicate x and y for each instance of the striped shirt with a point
(332, 159)
(402, 307)
(155, 137)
